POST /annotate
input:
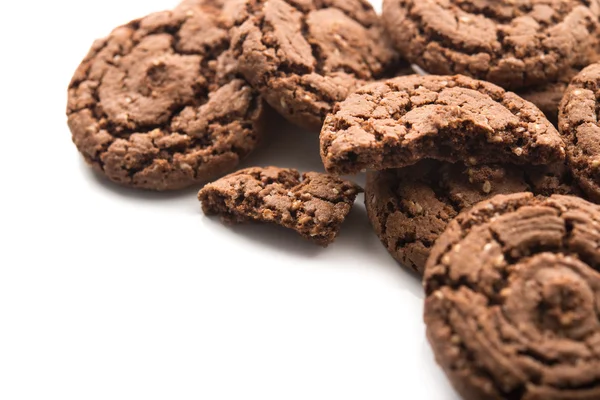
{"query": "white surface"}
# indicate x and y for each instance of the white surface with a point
(108, 293)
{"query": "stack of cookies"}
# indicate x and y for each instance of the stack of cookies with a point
(469, 182)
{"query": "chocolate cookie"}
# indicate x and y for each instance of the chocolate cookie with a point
(513, 299)
(303, 56)
(157, 105)
(400, 121)
(514, 44)
(580, 128)
(410, 208)
(315, 207)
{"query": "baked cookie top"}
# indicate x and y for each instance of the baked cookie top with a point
(409, 208)
(398, 122)
(157, 104)
(513, 43)
(513, 299)
(305, 55)
(315, 205)
(579, 125)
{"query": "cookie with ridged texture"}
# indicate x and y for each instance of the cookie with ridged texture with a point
(514, 44)
(409, 208)
(398, 122)
(158, 104)
(579, 125)
(305, 55)
(314, 205)
(513, 296)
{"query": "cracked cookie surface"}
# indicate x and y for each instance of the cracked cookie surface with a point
(514, 44)
(314, 206)
(409, 208)
(513, 294)
(158, 105)
(305, 55)
(398, 122)
(579, 125)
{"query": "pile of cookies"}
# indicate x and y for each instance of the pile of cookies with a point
(469, 182)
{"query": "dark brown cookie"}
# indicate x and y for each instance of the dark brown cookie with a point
(398, 122)
(513, 299)
(580, 128)
(514, 44)
(156, 105)
(410, 208)
(305, 55)
(315, 206)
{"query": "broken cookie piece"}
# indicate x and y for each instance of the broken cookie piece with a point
(401, 121)
(315, 206)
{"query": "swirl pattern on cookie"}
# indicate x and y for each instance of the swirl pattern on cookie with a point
(513, 299)
(158, 104)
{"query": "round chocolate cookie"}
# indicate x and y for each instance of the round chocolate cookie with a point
(157, 105)
(513, 299)
(580, 128)
(305, 55)
(398, 122)
(514, 44)
(409, 208)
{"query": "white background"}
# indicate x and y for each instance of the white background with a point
(109, 293)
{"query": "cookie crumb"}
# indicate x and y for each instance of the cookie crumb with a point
(487, 187)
